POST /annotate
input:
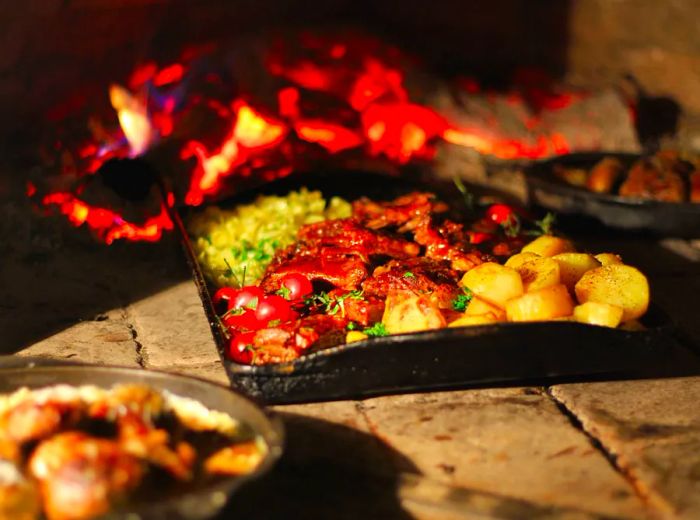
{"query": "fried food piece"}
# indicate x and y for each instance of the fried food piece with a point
(447, 241)
(649, 179)
(19, 498)
(80, 476)
(548, 245)
(31, 421)
(238, 459)
(420, 276)
(494, 283)
(620, 285)
(545, 304)
(604, 174)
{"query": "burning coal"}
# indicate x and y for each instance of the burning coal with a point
(334, 97)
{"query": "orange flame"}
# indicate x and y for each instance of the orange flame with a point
(133, 119)
(250, 132)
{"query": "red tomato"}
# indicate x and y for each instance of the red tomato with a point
(247, 297)
(500, 213)
(297, 286)
(240, 348)
(273, 307)
(476, 237)
(242, 321)
(222, 299)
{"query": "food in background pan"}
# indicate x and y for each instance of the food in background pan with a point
(73, 453)
(404, 266)
(666, 176)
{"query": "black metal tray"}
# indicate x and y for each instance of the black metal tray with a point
(206, 502)
(506, 353)
(680, 219)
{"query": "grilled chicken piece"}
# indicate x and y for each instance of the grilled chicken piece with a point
(349, 233)
(239, 459)
(420, 276)
(404, 212)
(81, 476)
(338, 266)
(447, 241)
(649, 179)
(695, 186)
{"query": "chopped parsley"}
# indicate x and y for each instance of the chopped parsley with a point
(333, 304)
(376, 330)
(467, 196)
(461, 302)
(544, 226)
(409, 274)
(511, 226)
(284, 292)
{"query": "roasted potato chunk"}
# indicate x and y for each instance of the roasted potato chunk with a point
(519, 259)
(548, 245)
(572, 267)
(604, 174)
(608, 258)
(408, 312)
(539, 273)
(598, 313)
(494, 283)
(478, 306)
(620, 285)
(474, 319)
(545, 304)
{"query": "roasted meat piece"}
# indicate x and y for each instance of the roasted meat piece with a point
(695, 186)
(404, 212)
(650, 179)
(337, 266)
(81, 476)
(420, 276)
(447, 242)
(351, 234)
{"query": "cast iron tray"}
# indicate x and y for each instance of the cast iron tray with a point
(680, 219)
(507, 353)
(205, 502)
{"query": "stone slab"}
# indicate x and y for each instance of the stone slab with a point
(107, 341)
(514, 442)
(652, 427)
(172, 328)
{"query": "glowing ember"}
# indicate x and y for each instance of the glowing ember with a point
(250, 132)
(335, 95)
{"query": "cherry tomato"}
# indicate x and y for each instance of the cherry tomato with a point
(246, 320)
(222, 299)
(240, 348)
(247, 297)
(295, 286)
(500, 213)
(273, 307)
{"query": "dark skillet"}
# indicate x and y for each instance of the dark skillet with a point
(203, 500)
(664, 218)
(507, 353)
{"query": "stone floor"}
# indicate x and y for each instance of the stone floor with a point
(620, 449)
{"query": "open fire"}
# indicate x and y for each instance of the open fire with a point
(335, 97)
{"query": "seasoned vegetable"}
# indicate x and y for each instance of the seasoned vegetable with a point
(620, 285)
(544, 304)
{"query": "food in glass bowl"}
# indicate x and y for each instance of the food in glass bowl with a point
(79, 452)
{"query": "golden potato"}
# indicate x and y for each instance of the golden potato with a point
(545, 304)
(547, 245)
(573, 265)
(597, 313)
(408, 312)
(354, 335)
(539, 273)
(494, 283)
(608, 258)
(519, 259)
(474, 319)
(479, 306)
(620, 285)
